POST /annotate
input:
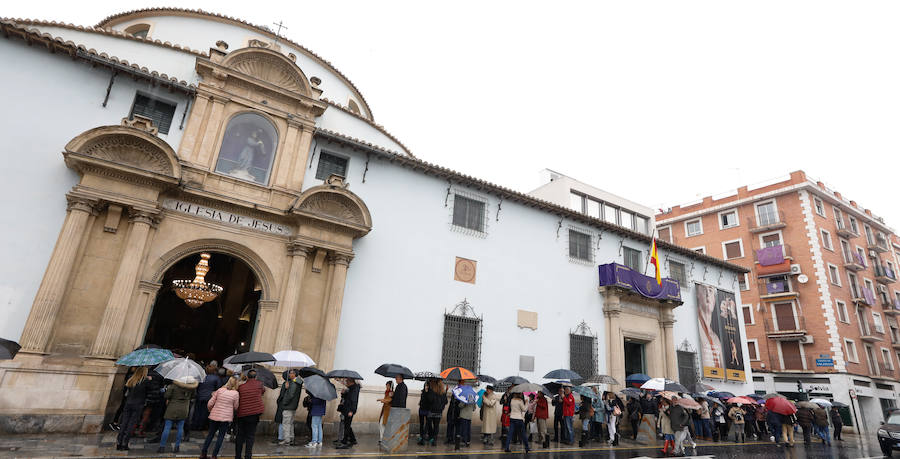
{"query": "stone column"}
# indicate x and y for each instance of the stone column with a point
(107, 340)
(340, 263)
(50, 294)
(195, 123)
(666, 322)
(207, 143)
(290, 303)
(285, 165)
(615, 348)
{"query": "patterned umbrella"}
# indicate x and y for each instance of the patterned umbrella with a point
(465, 394)
(562, 373)
(146, 356)
(688, 403)
(742, 400)
(780, 405)
(426, 375)
(602, 379)
(458, 374)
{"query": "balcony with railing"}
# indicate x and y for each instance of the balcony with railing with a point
(844, 230)
(884, 274)
(886, 372)
(891, 309)
(786, 328)
(854, 262)
(880, 244)
(868, 332)
(773, 260)
(766, 221)
(863, 296)
(775, 288)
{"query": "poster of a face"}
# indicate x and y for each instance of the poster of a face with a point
(709, 317)
(247, 148)
(730, 335)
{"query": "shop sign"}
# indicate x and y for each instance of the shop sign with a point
(225, 217)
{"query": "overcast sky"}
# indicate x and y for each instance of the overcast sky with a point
(662, 102)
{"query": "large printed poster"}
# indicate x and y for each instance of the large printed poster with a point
(710, 344)
(720, 334)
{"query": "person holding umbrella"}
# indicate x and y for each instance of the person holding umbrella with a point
(837, 423)
(736, 414)
(821, 423)
(178, 398)
(135, 396)
(517, 422)
(490, 416)
(400, 392)
(351, 400)
(436, 399)
(805, 420)
(250, 407)
(568, 405)
(542, 413)
(287, 403)
(317, 411)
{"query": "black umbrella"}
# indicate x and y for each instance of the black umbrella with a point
(426, 376)
(839, 404)
(306, 372)
(631, 392)
(343, 374)
(253, 357)
(487, 379)
(390, 370)
(320, 387)
(513, 380)
(8, 349)
(263, 375)
(555, 385)
(562, 374)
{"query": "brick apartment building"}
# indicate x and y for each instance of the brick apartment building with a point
(821, 300)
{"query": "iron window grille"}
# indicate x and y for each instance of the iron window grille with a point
(462, 338)
(331, 164)
(468, 213)
(583, 351)
(677, 272)
(688, 366)
(160, 112)
(580, 246)
(632, 259)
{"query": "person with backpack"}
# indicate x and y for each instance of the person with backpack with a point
(821, 424)
(787, 428)
(736, 414)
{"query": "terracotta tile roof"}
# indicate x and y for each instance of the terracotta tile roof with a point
(57, 44)
(108, 32)
(516, 196)
(371, 123)
(115, 18)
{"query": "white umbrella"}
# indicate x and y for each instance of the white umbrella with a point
(821, 402)
(663, 384)
(181, 369)
(234, 367)
(293, 359)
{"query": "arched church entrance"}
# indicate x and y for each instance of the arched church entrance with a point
(212, 330)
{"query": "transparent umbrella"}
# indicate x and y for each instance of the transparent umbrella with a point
(292, 359)
(181, 368)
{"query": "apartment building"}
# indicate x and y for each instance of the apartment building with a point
(821, 299)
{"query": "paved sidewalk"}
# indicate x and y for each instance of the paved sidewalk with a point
(104, 446)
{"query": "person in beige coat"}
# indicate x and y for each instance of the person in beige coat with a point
(490, 415)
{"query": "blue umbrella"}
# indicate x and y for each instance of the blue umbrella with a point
(720, 395)
(144, 357)
(465, 394)
(637, 379)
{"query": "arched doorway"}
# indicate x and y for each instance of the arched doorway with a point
(216, 329)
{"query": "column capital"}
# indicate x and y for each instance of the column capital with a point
(219, 99)
(340, 258)
(148, 217)
(82, 204)
(299, 249)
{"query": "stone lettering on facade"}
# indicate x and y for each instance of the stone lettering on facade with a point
(226, 217)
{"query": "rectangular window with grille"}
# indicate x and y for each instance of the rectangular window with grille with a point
(632, 258)
(331, 164)
(468, 213)
(677, 272)
(462, 343)
(583, 354)
(687, 370)
(160, 112)
(579, 245)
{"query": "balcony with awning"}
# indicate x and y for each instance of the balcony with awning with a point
(773, 260)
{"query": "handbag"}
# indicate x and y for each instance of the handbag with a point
(617, 411)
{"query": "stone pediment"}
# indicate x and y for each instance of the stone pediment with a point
(125, 148)
(268, 66)
(333, 205)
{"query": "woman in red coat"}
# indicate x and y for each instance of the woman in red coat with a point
(541, 414)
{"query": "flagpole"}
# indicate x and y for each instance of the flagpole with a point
(647, 265)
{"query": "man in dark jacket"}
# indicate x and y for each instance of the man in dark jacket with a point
(250, 406)
(805, 419)
(155, 407)
(205, 389)
(400, 392)
(820, 421)
(288, 400)
(558, 424)
(679, 419)
(351, 399)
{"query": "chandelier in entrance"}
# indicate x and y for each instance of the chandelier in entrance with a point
(198, 291)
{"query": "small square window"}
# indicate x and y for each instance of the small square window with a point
(743, 282)
(579, 245)
(820, 208)
(693, 227)
(664, 234)
(733, 249)
(677, 272)
(700, 250)
(632, 258)
(160, 112)
(331, 164)
(728, 219)
(752, 351)
(468, 213)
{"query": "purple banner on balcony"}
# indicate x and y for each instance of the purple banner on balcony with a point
(897, 304)
(860, 260)
(889, 272)
(869, 295)
(770, 255)
(776, 287)
(614, 274)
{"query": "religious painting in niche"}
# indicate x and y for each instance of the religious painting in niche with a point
(248, 148)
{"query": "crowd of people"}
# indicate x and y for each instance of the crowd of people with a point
(226, 403)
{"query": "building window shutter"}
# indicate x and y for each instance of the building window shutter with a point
(583, 354)
(733, 250)
(462, 343)
(331, 165)
(160, 112)
(665, 234)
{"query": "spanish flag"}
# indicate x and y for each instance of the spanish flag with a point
(654, 260)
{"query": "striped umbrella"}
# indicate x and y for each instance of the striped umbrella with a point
(457, 374)
(144, 357)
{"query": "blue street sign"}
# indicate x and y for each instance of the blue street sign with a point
(824, 362)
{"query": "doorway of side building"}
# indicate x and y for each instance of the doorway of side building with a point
(216, 329)
(635, 358)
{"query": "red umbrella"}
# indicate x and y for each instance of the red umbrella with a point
(780, 405)
(742, 400)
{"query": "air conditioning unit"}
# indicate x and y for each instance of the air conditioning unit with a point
(873, 253)
(795, 269)
(807, 339)
(882, 289)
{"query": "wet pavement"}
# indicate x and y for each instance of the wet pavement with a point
(103, 446)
